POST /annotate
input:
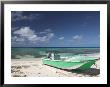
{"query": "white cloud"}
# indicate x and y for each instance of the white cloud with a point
(48, 30)
(14, 28)
(47, 37)
(20, 39)
(61, 38)
(45, 31)
(50, 35)
(27, 34)
(33, 38)
(77, 37)
(18, 15)
(15, 38)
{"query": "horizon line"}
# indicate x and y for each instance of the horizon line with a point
(56, 47)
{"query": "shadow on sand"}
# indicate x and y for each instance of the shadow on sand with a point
(91, 71)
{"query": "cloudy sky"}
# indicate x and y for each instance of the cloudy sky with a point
(55, 29)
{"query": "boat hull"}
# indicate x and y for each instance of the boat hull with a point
(69, 64)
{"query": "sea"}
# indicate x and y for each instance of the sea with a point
(39, 52)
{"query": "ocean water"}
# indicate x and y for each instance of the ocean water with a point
(37, 52)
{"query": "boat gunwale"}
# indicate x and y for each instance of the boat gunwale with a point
(69, 61)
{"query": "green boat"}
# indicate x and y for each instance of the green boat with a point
(73, 62)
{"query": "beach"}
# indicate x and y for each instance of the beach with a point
(33, 67)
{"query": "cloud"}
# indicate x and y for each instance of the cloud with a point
(77, 37)
(17, 39)
(46, 37)
(18, 15)
(14, 38)
(61, 38)
(45, 31)
(48, 30)
(20, 39)
(26, 34)
(14, 28)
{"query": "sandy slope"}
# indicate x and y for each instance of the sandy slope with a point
(35, 68)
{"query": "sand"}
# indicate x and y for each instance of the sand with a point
(34, 68)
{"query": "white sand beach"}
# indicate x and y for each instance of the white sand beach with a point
(34, 68)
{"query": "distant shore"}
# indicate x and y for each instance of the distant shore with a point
(33, 67)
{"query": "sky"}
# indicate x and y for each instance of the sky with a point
(55, 28)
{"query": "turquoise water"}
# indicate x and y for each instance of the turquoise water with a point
(41, 52)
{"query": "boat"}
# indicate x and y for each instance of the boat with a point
(75, 62)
